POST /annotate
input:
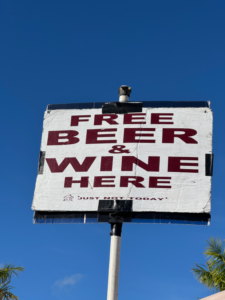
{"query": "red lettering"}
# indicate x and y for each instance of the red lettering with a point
(69, 181)
(156, 182)
(100, 180)
(55, 136)
(151, 166)
(109, 118)
(93, 136)
(84, 167)
(135, 180)
(156, 118)
(131, 133)
(76, 119)
(106, 163)
(175, 164)
(130, 118)
(182, 133)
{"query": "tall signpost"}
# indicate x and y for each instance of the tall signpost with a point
(118, 162)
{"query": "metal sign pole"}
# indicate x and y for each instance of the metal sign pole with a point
(116, 230)
(114, 261)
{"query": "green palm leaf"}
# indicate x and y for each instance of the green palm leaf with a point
(213, 274)
(5, 277)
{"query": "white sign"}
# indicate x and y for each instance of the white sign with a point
(157, 158)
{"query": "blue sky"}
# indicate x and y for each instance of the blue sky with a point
(82, 51)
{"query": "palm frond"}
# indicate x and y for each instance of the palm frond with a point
(215, 251)
(7, 271)
(5, 277)
(5, 293)
(8, 296)
(204, 276)
(213, 274)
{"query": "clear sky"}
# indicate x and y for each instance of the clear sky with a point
(82, 51)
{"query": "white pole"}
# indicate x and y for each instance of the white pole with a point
(116, 229)
(114, 261)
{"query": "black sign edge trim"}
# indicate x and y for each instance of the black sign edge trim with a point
(150, 104)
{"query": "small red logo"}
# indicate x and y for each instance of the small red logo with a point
(68, 198)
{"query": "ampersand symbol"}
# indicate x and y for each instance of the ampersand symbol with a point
(118, 149)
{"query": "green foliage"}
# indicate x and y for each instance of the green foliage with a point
(213, 274)
(5, 277)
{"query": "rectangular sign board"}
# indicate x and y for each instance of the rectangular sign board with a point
(158, 158)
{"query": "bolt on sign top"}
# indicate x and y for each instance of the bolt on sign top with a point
(153, 157)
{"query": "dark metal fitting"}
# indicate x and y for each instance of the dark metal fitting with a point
(116, 229)
(124, 90)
